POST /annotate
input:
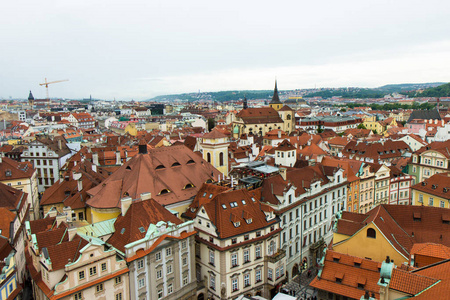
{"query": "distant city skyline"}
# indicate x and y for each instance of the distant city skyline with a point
(141, 49)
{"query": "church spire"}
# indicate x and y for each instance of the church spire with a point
(275, 98)
(30, 96)
(245, 102)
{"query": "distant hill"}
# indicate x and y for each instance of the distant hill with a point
(410, 89)
(438, 91)
(399, 88)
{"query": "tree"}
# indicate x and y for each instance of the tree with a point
(361, 126)
(320, 129)
(375, 131)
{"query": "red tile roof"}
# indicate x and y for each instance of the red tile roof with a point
(237, 206)
(139, 214)
(437, 185)
(165, 172)
(343, 267)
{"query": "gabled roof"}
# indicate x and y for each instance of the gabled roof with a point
(63, 253)
(260, 115)
(437, 185)
(11, 169)
(214, 134)
(139, 215)
(432, 114)
(170, 174)
(241, 207)
(341, 276)
(403, 225)
(11, 198)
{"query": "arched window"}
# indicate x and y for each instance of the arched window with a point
(221, 159)
(288, 117)
(371, 233)
(208, 157)
(272, 247)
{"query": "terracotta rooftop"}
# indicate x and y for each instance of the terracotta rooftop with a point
(11, 169)
(348, 276)
(139, 215)
(241, 207)
(170, 174)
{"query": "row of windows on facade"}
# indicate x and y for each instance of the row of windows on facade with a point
(313, 236)
(44, 162)
(279, 272)
(39, 154)
(169, 286)
(246, 255)
(289, 154)
(317, 203)
(158, 255)
(221, 160)
(428, 161)
(431, 201)
(79, 295)
(305, 222)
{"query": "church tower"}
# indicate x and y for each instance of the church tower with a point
(245, 103)
(30, 99)
(276, 103)
(215, 150)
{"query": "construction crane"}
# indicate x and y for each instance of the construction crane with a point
(46, 83)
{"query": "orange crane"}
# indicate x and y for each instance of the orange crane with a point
(46, 83)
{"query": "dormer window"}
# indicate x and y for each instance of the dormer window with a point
(249, 221)
(176, 164)
(243, 201)
(237, 224)
(159, 167)
(164, 191)
(224, 206)
(189, 185)
(191, 161)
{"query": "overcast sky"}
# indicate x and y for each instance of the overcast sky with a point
(140, 49)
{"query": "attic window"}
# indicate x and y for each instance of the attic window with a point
(434, 186)
(160, 167)
(336, 257)
(164, 191)
(8, 173)
(424, 183)
(189, 185)
(204, 194)
(142, 229)
(176, 164)
(243, 201)
(237, 224)
(191, 161)
(224, 206)
(416, 217)
(122, 231)
(209, 181)
(253, 199)
(446, 219)
(249, 221)
(357, 262)
(210, 196)
(66, 193)
(128, 168)
(233, 204)
(339, 276)
(445, 190)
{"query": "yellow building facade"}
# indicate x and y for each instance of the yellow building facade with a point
(365, 243)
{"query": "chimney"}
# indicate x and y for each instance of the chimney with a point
(279, 134)
(94, 168)
(59, 144)
(125, 204)
(76, 175)
(146, 196)
(72, 233)
(283, 173)
(1, 157)
(80, 185)
(59, 219)
(118, 160)
(142, 146)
